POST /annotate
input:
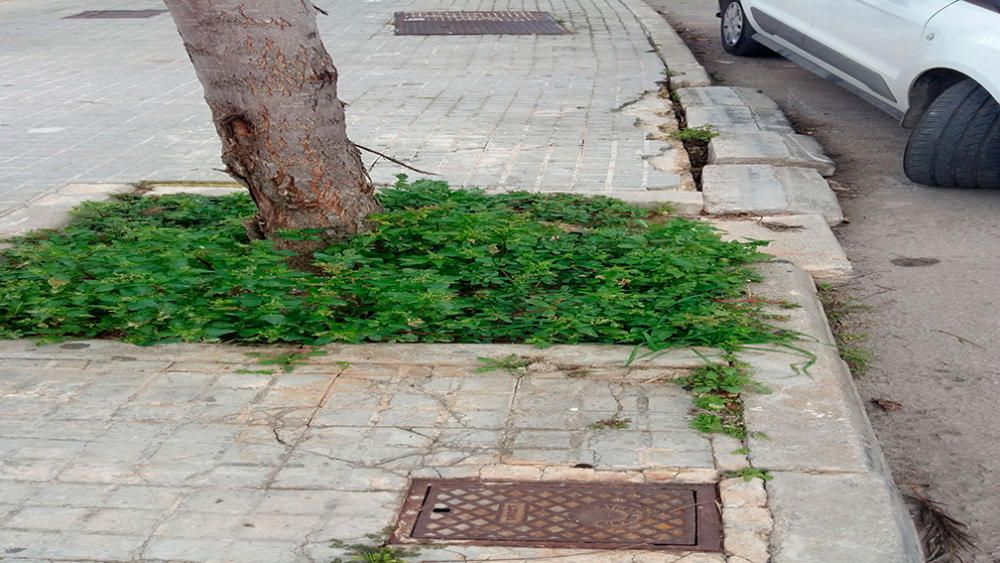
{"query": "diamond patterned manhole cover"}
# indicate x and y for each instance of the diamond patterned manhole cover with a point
(477, 23)
(114, 14)
(557, 514)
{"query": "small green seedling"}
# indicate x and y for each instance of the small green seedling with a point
(750, 473)
(513, 363)
(702, 134)
(286, 361)
(374, 552)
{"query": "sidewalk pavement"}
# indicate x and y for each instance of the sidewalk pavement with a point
(116, 100)
(112, 452)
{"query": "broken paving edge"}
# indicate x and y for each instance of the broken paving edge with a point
(682, 66)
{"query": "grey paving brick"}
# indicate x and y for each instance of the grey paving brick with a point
(47, 518)
(185, 549)
(122, 521)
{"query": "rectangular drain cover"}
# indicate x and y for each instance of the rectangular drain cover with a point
(114, 14)
(560, 514)
(477, 23)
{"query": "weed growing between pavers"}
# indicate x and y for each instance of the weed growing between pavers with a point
(841, 312)
(439, 266)
(750, 473)
(286, 361)
(513, 364)
(702, 134)
(716, 389)
(377, 552)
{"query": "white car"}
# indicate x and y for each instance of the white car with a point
(935, 64)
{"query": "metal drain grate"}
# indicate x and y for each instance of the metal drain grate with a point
(557, 514)
(477, 23)
(114, 14)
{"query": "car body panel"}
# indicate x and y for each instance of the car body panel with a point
(879, 37)
(879, 48)
(967, 40)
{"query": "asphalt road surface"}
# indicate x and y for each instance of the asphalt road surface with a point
(933, 324)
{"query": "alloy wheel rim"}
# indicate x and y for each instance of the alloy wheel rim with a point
(732, 24)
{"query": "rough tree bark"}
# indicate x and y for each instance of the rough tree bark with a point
(272, 89)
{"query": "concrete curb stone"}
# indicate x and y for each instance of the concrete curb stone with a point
(732, 110)
(804, 240)
(685, 70)
(187, 356)
(813, 417)
(840, 518)
(768, 190)
(769, 147)
(833, 499)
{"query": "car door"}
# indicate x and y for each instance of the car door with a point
(786, 22)
(872, 43)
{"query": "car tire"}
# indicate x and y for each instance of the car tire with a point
(737, 33)
(956, 143)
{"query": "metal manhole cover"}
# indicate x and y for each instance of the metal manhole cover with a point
(557, 514)
(477, 23)
(114, 14)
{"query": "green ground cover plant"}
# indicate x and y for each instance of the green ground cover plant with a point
(439, 266)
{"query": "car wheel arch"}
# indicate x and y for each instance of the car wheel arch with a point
(926, 88)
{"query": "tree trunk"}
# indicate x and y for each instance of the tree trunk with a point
(272, 89)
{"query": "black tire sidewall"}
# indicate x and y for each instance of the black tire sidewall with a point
(746, 46)
(931, 157)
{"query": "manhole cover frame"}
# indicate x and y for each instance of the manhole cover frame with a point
(468, 22)
(115, 14)
(707, 525)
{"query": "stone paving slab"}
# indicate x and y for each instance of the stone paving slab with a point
(768, 190)
(732, 110)
(769, 147)
(804, 240)
(512, 112)
(190, 453)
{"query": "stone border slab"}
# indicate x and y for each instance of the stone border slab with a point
(580, 355)
(831, 518)
(51, 210)
(804, 240)
(768, 190)
(833, 498)
(770, 147)
(682, 202)
(820, 398)
(731, 110)
(684, 68)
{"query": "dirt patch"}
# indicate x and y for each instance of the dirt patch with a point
(915, 262)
